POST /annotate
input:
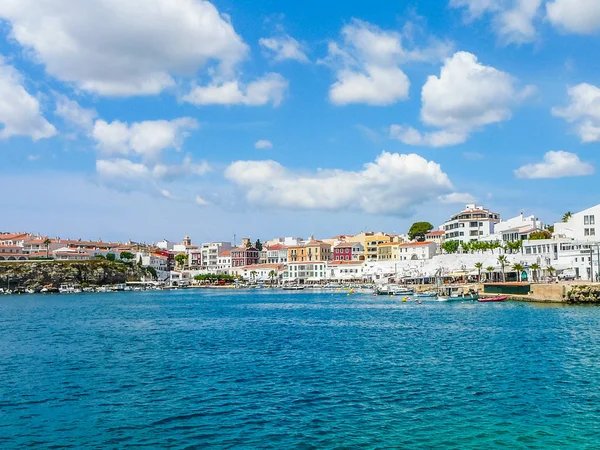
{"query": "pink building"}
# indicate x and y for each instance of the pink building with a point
(349, 251)
(244, 256)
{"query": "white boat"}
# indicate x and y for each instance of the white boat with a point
(456, 293)
(293, 288)
(66, 289)
(394, 289)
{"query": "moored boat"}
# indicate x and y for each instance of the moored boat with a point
(456, 293)
(498, 298)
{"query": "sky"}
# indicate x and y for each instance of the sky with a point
(153, 119)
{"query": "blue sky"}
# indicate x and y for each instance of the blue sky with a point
(141, 119)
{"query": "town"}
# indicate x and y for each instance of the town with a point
(474, 245)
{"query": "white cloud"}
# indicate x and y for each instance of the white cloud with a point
(200, 201)
(393, 184)
(120, 48)
(263, 144)
(172, 172)
(121, 169)
(20, 113)
(269, 89)
(367, 65)
(557, 164)
(464, 98)
(583, 111)
(457, 197)
(575, 16)
(148, 138)
(75, 114)
(513, 20)
(284, 48)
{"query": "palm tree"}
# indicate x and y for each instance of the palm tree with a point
(551, 270)
(567, 216)
(519, 269)
(479, 266)
(489, 269)
(47, 243)
(272, 276)
(503, 261)
(534, 268)
(253, 275)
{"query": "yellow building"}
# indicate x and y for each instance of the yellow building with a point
(370, 240)
(311, 251)
(388, 251)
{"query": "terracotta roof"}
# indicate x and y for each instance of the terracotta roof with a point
(347, 244)
(225, 253)
(417, 244)
(277, 247)
(11, 236)
(436, 233)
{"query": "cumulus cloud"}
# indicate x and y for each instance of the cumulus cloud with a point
(283, 48)
(20, 113)
(121, 48)
(269, 89)
(393, 184)
(367, 65)
(457, 197)
(263, 144)
(575, 16)
(556, 164)
(513, 20)
(201, 201)
(74, 114)
(583, 111)
(464, 98)
(148, 138)
(172, 172)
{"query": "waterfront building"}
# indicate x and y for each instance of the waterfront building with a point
(313, 250)
(37, 245)
(277, 254)
(13, 239)
(437, 236)
(195, 258)
(224, 261)
(516, 229)
(210, 254)
(370, 240)
(244, 256)
(260, 273)
(159, 261)
(12, 253)
(185, 246)
(583, 226)
(165, 245)
(345, 270)
(285, 241)
(305, 272)
(409, 251)
(349, 251)
(474, 223)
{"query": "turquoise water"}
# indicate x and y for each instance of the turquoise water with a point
(189, 369)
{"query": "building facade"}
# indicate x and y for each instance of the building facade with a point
(474, 223)
(244, 256)
(349, 251)
(583, 226)
(210, 254)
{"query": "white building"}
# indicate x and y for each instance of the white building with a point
(305, 272)
(286, 241)
(210, 254)
(263, 273)
(165, 245)
(277, 254)
(160, 263)
(224, 262)
(474, 223)
(516, 229)
(412, 251)
(346, 270)
(581, 226)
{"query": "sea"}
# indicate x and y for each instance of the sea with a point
(301, 370)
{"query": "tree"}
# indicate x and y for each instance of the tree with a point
(550, 228)
(47, 243)
(181, 259)
(258, 245)
(567, 216)
(418, 230)
(152, 272)
(479, 266)
(519, 269)
(272, 276)
(514, 247)
(503, 261)
(534, 269)
(551, 271)
(539, 235)
(451, 246)
(127, 256)
(489, 269)
(253, 275)
(111, 257)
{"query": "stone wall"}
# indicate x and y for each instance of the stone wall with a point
(37, 275)
(584, 294)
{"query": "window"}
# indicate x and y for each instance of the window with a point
(473, 224)
(586, 220)
(592, 220)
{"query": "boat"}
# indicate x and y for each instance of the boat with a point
(293, 288)
(426, 295)
(456, 293)
(394, 289)
(498, 298)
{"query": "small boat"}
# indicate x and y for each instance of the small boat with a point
(499, 298)
(293, 288)
(426, 295)
(456, 293)
(393, 289)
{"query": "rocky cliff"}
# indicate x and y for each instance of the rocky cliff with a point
(584, 294)
(36, 275)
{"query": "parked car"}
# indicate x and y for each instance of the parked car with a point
(567, 275)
